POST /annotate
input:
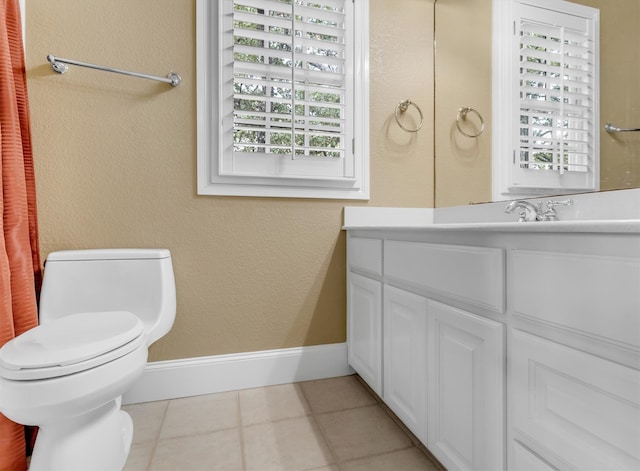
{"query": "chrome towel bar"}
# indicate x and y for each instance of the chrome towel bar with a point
(60, 65)
(611, 128)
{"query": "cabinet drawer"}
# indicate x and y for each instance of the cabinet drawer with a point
(574, 407)
(474, 275)
(365, 255)
(593, 294)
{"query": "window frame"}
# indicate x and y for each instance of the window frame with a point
(506, 108)
(210, 181)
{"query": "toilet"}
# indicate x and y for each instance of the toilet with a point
(99, 311)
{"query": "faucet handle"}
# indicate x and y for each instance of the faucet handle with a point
(553, 203)
(550, 214)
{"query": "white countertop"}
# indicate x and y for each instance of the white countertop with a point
(613, 212)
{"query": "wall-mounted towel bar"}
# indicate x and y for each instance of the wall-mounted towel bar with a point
(60, 65)
(611, 128)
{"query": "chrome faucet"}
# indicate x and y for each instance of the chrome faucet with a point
(531, 212)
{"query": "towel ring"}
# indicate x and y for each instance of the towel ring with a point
(401, 108)
(462, 115)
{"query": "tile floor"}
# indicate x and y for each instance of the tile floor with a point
(333, 424)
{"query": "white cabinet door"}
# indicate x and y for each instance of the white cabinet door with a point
(405, 358)
(364, 329)
(466, 389)
(575, 409)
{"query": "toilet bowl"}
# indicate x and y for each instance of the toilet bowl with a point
(68, 374)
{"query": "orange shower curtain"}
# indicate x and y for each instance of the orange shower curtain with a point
(20, 272)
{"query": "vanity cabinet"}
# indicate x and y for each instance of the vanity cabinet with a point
(508, 349)
(442, 364)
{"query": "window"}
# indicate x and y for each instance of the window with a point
(283, 98)
(545, 98)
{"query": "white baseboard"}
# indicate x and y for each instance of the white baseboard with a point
(207, 375)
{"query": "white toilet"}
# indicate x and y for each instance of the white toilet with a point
(99, 311)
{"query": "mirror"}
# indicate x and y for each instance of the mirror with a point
(463, 79)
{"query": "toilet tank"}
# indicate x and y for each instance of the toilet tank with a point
(140, 281)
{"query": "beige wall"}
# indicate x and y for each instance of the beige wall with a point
(463, 78)
(116, 166)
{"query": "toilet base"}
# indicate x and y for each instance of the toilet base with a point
(98, 440)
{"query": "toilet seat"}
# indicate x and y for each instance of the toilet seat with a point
(71, 344)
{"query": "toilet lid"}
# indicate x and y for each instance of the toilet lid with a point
(70, 344)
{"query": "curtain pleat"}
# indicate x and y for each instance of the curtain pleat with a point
(20, 272)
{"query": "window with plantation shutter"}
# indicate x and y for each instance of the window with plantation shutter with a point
(288, 114)
(547, 128)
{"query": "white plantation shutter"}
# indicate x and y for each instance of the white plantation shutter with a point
(283, 98)
(557, 96)
(552, 112)
(286, 73)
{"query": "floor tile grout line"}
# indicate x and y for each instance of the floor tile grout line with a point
(373, 396)
(243, 459)
(282, 419)
(312, 415)
(157, 437)
(334, 456)
(378, 403)
(411, 444)
(336, 461)
(204, 432)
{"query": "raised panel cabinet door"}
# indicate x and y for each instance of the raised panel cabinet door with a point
(466, 389)
(575, 409)
(364, 329)
(405, 358)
